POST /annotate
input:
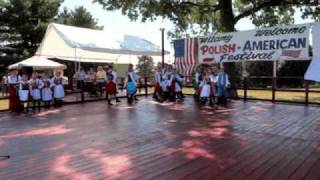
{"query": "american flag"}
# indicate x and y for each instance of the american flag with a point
(186, 55)
(291, 53)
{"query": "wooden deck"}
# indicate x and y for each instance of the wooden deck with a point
(253, 140)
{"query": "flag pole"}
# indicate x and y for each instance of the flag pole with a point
(162, 43)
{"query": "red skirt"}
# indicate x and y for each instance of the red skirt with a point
(14, 103)
(111, 88)
(157, 88)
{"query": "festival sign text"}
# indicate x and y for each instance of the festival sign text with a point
(277, 43)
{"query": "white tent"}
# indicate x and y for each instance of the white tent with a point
(38, 63)
(87, 45)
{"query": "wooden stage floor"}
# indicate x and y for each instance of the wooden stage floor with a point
(253, 140)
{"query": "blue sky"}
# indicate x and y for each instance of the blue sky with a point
(115, 21)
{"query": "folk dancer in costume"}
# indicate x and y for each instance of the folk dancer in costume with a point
(46, 92)
(197, 81)
(213, 81)
(176, 86)
(223, 84)
(165, 84)
(58, 89)
(157, 88)
(4, 86)
(100, 75)
(205, 86)
(114, 76)
(13, 81)
(35, 91)
(111, 89)
(24, 92)
(131, 84)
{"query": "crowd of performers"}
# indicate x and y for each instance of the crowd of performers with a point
(209, 84)
(100, 81)
(168, 84)
(37, 89)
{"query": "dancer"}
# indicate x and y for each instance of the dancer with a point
(114, 79)
(46, 92)
(223, 84)
(157, 88)
(131, 84)
(197, 81)
(59, 94)
(205, 87)
(34, 86)
(111, 89)
(13, 81)
(176, 86)
(24, 92)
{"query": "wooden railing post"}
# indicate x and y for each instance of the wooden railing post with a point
(306, 84)
(82, 91)
(245, 85)
(274, 85)
(146, 85)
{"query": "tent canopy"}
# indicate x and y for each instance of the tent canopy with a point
(38, 63)
(88, 45)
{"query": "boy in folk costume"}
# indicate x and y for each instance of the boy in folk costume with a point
(223, 84)
(111, 89)
(114, 79)
(58, 89)
(13, 81)
(24, 91)
(35, 91)
(46, 92)
(165, 84)
(131, 84)
(157, 88)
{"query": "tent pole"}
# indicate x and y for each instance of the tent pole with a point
(162, 43)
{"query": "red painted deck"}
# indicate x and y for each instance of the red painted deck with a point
(254, 140)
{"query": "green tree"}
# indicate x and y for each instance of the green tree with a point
(214, 15)
(23, 24)
(79, 17)
(145, 66)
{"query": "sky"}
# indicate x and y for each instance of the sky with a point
(115, 21)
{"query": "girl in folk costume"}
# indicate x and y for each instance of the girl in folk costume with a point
(35, 90)
(13, 81)
(131, 87)
(165, 84)
(131, 84)
(24, 91)
(157, 88)
(176, 86)
(223, 84)
(197, 81)
(206, 88)
(111, 89)
(46, 92)
(58, 89)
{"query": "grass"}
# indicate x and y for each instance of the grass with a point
(258, 94)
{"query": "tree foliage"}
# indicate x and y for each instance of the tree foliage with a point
(214, 15)
(23, 24)
(145, 66)
(79, 17)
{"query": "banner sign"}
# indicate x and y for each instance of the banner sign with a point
(269, 44)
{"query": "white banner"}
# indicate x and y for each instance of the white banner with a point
(269, 44)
